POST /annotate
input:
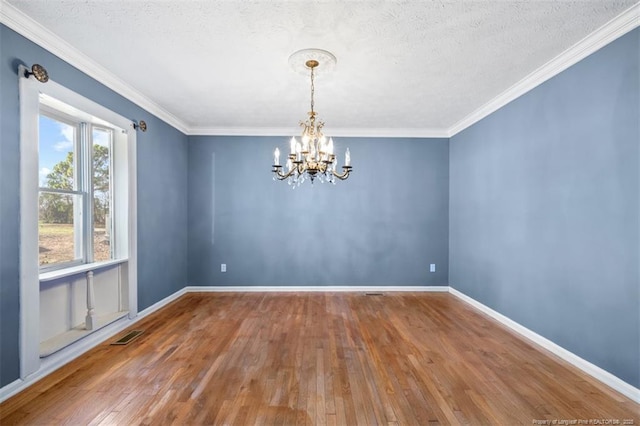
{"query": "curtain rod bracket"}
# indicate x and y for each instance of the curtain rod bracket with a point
(39, 72)
(142, 125)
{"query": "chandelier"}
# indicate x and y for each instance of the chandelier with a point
(312, 157)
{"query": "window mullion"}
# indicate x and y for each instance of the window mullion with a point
(87, 190)
(78, 207)
(111, 228)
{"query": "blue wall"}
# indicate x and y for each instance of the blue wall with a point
(544, 209)
(383, 226)
(162, 191)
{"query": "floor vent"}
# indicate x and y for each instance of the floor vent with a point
(127, 338)
(374, 294)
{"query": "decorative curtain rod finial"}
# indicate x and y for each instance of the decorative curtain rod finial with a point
(39, 72)
(142, 125)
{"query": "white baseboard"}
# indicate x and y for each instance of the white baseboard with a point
(209, 289)
(162, 303)
(573, 359)
(51, 363)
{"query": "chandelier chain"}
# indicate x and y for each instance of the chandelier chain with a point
(312, 90)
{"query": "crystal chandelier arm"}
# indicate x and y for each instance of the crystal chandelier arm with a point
(345, 172)
(280, 175)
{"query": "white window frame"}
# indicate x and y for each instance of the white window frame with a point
(124, 203)
(83, 184)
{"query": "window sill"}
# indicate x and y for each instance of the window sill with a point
(74, 270)
(63, 340)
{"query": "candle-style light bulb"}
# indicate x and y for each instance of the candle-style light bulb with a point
(298, 151)
(347, 157)
(323, 151)
(276, 157)
(330, 147)
(293, 145)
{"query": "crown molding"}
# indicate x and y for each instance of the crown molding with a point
(239, 131)
(391, 132)
(617, 27)
(27, 27)
(335, 132)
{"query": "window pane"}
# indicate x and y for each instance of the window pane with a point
(58, 228)
(56, 148)
(102, 225)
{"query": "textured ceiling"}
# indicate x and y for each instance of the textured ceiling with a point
(401, 65)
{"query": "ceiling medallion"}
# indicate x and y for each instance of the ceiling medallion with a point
(313, 155)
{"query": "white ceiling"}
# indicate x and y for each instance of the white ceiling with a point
(403, 67)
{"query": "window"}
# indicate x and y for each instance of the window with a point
(78, 210)
(75, 187)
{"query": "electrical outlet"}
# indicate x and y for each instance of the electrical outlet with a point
(223, 267)
(432, 267)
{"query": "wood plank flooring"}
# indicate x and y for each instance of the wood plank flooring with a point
(318, 358)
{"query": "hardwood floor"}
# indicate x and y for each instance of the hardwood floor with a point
(318, 358)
